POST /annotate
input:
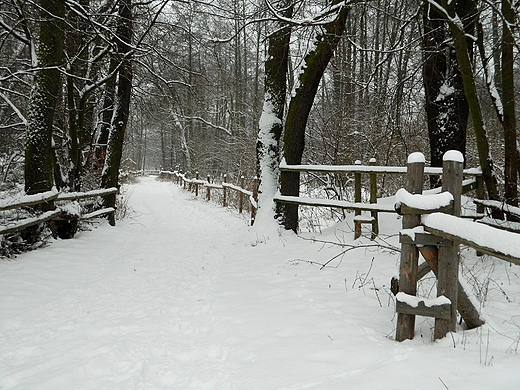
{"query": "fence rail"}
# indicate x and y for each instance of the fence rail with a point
(58, 214)
(474, 182)
(192, 184)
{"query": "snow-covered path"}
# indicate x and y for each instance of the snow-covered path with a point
(175, 297)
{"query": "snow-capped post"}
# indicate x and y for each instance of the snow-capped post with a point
(208, 191)
(448, 277)
(373, 199)
(241, 195)
(357, 199)
(254, 206)
(224, 191)
(409, 253)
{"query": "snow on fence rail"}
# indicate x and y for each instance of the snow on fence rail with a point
(194, 183)
(50, 196)
(474, 182)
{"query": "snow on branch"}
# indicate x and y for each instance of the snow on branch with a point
(328, 15)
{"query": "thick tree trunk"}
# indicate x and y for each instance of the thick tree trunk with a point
(110, 175)
(271, 120)
(39, 161)
(294, 136)
(446, 105)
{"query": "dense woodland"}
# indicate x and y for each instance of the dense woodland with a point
(233, 86)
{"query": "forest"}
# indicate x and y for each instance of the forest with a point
(89, 87)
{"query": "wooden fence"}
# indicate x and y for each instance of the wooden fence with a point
(193, 184)
(432, 226)
(473, 182)
(57, 214)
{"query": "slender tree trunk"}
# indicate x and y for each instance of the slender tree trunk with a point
(294, 136)
(120, 115)
(470, 90)
(508, 99)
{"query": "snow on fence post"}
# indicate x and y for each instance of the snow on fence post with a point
(241, 195)
(409, 253)
(448, 277)
(208, 191)
(254, 207)
(224, 191)
(357, 199)
(373, 199)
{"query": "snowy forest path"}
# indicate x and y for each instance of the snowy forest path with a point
(140, 294)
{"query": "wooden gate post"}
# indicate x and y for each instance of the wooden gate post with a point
(357, 199)
(409, 253)
(448, 277)
(373, 199)
(208, 191)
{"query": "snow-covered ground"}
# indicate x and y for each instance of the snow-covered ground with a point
(182, 295)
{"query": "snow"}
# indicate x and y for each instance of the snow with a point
(453, 155)
(499, 240)
(423, 202)
(414, 301)
(416, 157)
(176, 297)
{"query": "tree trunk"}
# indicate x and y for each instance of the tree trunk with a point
(120, 115)
(294, 137)
(470, 90)
(39, 163)
(446, 105)
(271, 120)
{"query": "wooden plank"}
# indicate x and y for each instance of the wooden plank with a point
(403, 209)
(409, 261)
(89, 194)
(97, 213)
(502, 206)
(24, 223)
(480, 241)
(440, 311)
(387, 208)
(424, 239)
(465, 307)
(28, 200)
(366, 169)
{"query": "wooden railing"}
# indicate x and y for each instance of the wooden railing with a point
(432, 226)
(193, 184)
(50, 196)
(473, 182)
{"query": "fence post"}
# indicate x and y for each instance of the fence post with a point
(448, 276)
(409, 253)
(357, 199)
(373, 199)
(208, 192)
(196, 184)
(255, 198)
(241, 195)
(224, 190)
